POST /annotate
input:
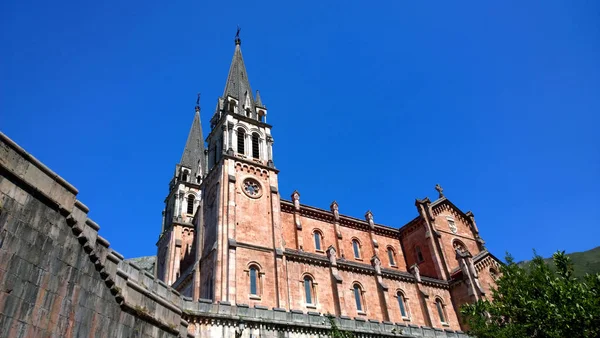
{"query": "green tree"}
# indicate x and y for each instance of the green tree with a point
(537, 301)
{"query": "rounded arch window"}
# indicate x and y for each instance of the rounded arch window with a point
(391, 256)
(358, 297)
(254, 280)
(252, 188)
(441, 310)
(458, 245)
(309, 290)
(241, 136)
(402, 304)
(190, 204)
(418, 254)
(356, 248)
(255, 145)
(318, 239)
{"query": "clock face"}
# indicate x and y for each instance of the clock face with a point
(252, 188)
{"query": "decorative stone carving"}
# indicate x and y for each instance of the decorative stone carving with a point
(332, 255)
(335, 209)
(296, 200)
(252, 188)
(369, 218)
(414, 269)
(376, 262)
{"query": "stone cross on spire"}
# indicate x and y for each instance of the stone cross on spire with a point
(440, 190)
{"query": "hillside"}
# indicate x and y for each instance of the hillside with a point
(583, 262)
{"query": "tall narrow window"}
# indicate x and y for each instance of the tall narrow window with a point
(190, 204)
(402, 305)
(418, 254)
(358, 297)
(356, 248)
(308, 290)
(391, 256)
(184, 176)
(253, 281)
(317, 240)
(241, 135)
(255, 151)
(440, 309)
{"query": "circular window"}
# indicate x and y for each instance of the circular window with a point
(252, 188)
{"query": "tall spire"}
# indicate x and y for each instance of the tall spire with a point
(237, 85)
(193, 153)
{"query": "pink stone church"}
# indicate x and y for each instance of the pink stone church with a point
(229, 236)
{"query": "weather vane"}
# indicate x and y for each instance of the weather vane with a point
(238, 41)
(198, 99)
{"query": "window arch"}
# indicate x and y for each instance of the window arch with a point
(255, 280)
(402, 304)
(309, 290)
(184, 175)
(356, 248)
(418, 254)
(391, 255)
(358, 297)
(441, 310)
(190, 204)
(318, 239)
(255, 144)
(241, 136)
(458, 245)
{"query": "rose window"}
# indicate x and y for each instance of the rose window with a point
(252, 188)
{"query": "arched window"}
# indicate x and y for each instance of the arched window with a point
(190, 204)
(318, 237)
(254, 280)
(358, 297)
(402, 304)
(356, 248)
(247, 112)
(458, 245)
(184, 176)
(418, 254)
(255, 152)
(232, 106)
(391, 255)
(241, 135)
(309, 290)
(441, 310)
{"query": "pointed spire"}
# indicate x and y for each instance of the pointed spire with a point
(237, 84)
(259, 100)
(193, 153)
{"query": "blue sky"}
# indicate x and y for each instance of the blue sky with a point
(372, 104)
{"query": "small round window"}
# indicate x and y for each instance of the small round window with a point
(252, 188)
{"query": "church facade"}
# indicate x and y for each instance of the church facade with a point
(229, 236)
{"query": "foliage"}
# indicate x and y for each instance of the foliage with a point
(537, 301)
(336, 332)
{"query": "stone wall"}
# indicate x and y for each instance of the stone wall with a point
(60, 278)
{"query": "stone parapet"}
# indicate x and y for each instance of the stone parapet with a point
(208, 317)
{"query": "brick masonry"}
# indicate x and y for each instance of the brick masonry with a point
(60, 278)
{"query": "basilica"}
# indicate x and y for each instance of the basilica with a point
(229, 236)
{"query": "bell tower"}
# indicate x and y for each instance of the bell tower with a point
(241, 205)
(175, 246)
